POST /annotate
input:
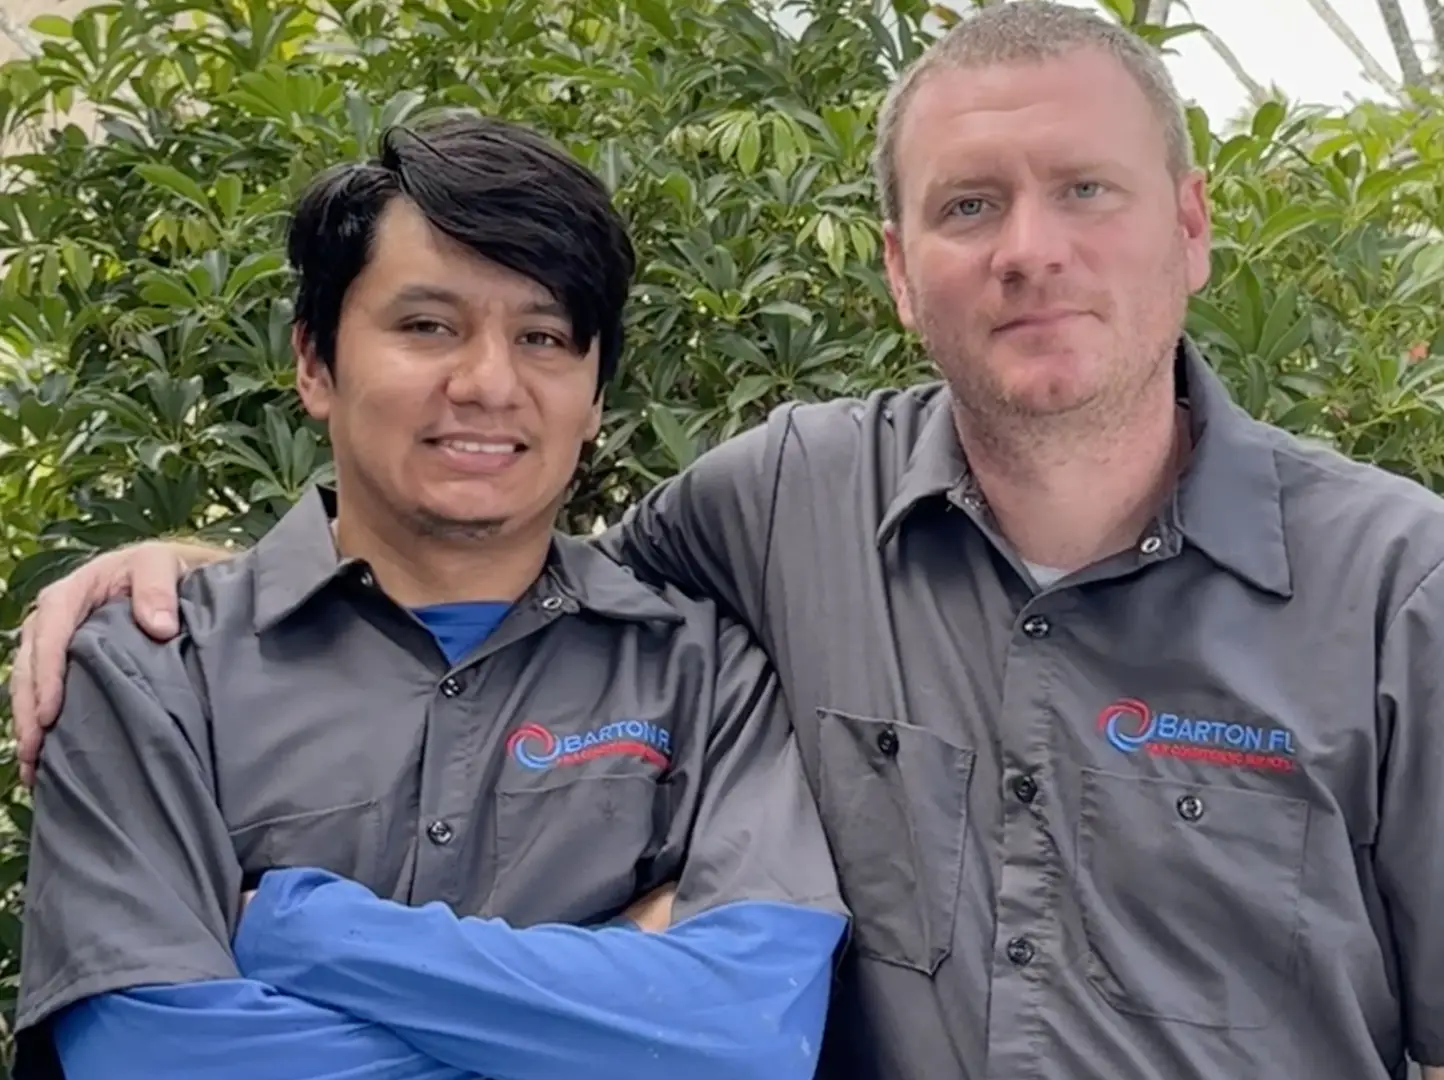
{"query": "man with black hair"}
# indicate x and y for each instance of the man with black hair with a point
(376, 809)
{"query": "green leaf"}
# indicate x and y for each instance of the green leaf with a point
(1286, 223)
(1123, 9)
(51, 25)
(655, 14)
(77, 264)
(681, 449)
(176, 182)
(749, 146)
(50, 273)
(787, 308)
(228, 194)
(1267, 120)
(1199, 135)
(749, 388)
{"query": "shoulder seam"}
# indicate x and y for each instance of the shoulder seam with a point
(772, 513)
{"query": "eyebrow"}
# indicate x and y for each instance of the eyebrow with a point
(437, 294)
(419, 294)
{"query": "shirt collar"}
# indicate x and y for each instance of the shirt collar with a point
(297, 560)
(603, 586)
(1229, 499)
(1227, 502)
(935, 467)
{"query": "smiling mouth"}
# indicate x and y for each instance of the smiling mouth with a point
(478, 457)
(479, 446)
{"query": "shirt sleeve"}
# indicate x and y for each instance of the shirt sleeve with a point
(754, 835)
(1411, 798)
(230, 1029)
(133, 886)
(707, 530)
(132, 879)
(722, 996)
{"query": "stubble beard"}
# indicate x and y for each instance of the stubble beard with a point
(1012, 425)
(428, 525)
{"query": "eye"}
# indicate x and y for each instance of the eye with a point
(969, 207)
(1087, 189)
(544, 339)
(425, 327)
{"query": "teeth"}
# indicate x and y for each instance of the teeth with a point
(480, 447)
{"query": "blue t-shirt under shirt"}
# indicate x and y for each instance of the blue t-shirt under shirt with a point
(459, 628)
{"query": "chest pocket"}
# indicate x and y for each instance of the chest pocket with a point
(569, 851)
(1190, 897)
(894, 801)
(343, 839)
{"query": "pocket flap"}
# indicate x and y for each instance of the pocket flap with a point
(1190, 896)
(894, 801)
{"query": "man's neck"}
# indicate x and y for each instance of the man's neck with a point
(1068, 499)
(417, 571)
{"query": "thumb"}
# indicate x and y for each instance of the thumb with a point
(154, 578)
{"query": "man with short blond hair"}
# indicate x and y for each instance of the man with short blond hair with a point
(1121, 708)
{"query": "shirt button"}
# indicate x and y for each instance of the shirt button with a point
(1150, 545)
(552, 603)
(367, 578)
(887, 741)
(1190, 807)
(1025, 787)
(1036, 626)
(450, 686)
(440, 833)
(1021, 951)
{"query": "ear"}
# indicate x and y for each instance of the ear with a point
(594, 422)
(897, 278)
(314, 382)
(1197, 230)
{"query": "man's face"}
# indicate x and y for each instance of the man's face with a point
(1044, 252)
(460, 402)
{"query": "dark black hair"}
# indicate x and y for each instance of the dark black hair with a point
(497, 187)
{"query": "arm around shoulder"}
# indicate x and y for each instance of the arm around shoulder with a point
(708, 529)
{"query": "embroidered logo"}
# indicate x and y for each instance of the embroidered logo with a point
(537, 747)
(1130, 725)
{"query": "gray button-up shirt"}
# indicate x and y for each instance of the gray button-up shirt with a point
(1176, 817)
(608, 737)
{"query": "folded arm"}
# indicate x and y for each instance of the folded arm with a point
(229, 1029)
(734, 993)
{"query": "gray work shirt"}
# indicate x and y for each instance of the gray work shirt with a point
(1175, 817)
(606, 738)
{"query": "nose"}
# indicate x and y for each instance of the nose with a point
(485, 373)
(1033, 241)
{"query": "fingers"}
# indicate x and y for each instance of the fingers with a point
(653, 912)
(37, 679)
(152, 575)
(24, 725)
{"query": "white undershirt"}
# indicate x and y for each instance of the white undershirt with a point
(1044, 576)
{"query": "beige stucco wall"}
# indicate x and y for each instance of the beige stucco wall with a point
(18, 13)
